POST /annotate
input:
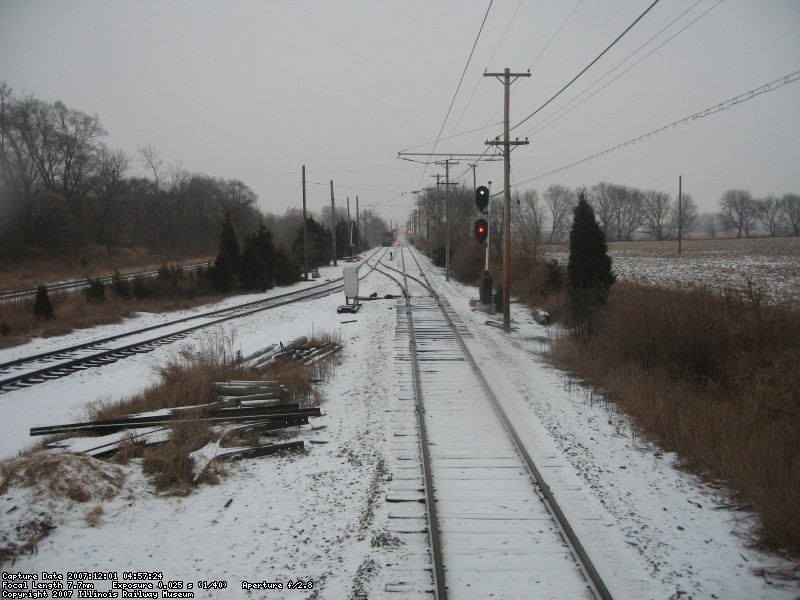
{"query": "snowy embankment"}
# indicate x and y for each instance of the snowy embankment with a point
(320, 515)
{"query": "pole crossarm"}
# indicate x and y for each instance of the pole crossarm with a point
(450, 154)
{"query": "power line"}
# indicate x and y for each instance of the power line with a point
(767, 87)
(553, 118)
(460, 81)
(587, 67)
(489, 62)
(555, 35)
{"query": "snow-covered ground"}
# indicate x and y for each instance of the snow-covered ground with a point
(320, 516)
(769, 267)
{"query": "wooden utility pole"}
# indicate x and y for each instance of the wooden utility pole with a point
(358, 224)
(305, 229)
(333, 224)
(349, 228)
(507, 78)
(680, 214)
(447, 183)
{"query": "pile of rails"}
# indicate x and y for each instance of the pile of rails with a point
(297, 350)
(241, 406)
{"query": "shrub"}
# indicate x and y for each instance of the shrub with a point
(140, 288)
(120, 287)
(42, 308)
(95, 291)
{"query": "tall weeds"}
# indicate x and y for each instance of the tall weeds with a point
(714, 378)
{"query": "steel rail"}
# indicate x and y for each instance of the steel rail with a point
(592, 576)
(55, 371)
(437, 570)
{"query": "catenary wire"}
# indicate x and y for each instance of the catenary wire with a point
(554, 117)
(767, 87)
(587, 67)
(458, 87)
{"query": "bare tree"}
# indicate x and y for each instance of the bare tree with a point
(655, 213)
(629, 211)
(526, 228)
(688, 216)
(771, 213)
(709, 223)
(738, 211)
(112, 165)
(791, 207)
(560, 201)
(604, 200)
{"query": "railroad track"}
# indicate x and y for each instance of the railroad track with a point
(494, 527)
(31, 370)
(69, 286)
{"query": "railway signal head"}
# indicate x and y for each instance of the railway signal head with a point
(481, 230)
(482, 197)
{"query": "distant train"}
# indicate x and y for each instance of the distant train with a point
(387, 239)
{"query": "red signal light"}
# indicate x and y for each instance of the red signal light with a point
(481, 230)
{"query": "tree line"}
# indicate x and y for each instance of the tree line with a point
(63, 188)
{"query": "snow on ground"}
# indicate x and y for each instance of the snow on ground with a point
(320, 515)
(767, 266)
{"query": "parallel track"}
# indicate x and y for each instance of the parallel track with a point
(69, 286)
(492, 522)
(31, 370)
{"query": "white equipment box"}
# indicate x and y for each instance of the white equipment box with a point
(351, 282)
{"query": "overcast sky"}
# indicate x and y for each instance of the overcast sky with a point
(253, 90)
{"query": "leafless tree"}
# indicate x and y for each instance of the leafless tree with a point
(655, 213)
(112, 165)
(709, 223)
(629, 210)
(688, 216)
(771, 213)
(526, 228)
(738, 211)
(604, 200)
(791, 207)
(559, 200)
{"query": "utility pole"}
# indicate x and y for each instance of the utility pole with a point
(507, 79)
(333, 224)
(358, 224)
(349, 227)
(438, 213)
(680, 214)
(305, 229)
(447, 183)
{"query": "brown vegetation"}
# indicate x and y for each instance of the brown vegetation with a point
(713, 378)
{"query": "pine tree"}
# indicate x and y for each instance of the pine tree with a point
(287, 270)
(589, 275)
(319, 244)
(226, 266)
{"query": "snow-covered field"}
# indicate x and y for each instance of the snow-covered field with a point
(768, 266)
(319, 516)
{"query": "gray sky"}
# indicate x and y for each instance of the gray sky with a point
(253, 90)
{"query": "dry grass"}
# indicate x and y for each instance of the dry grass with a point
(72, 311)
(92, 261)
(714, 378)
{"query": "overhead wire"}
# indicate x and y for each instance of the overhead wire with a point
(715, 108)
(554, 117)
(587, 67)
(458, 87)
(491, 58)
(535, 60)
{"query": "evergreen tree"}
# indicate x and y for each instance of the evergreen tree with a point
(226, 266)
(589, 275)
(42, 307)
(319, 244)
(266, 251)
(287, 270)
